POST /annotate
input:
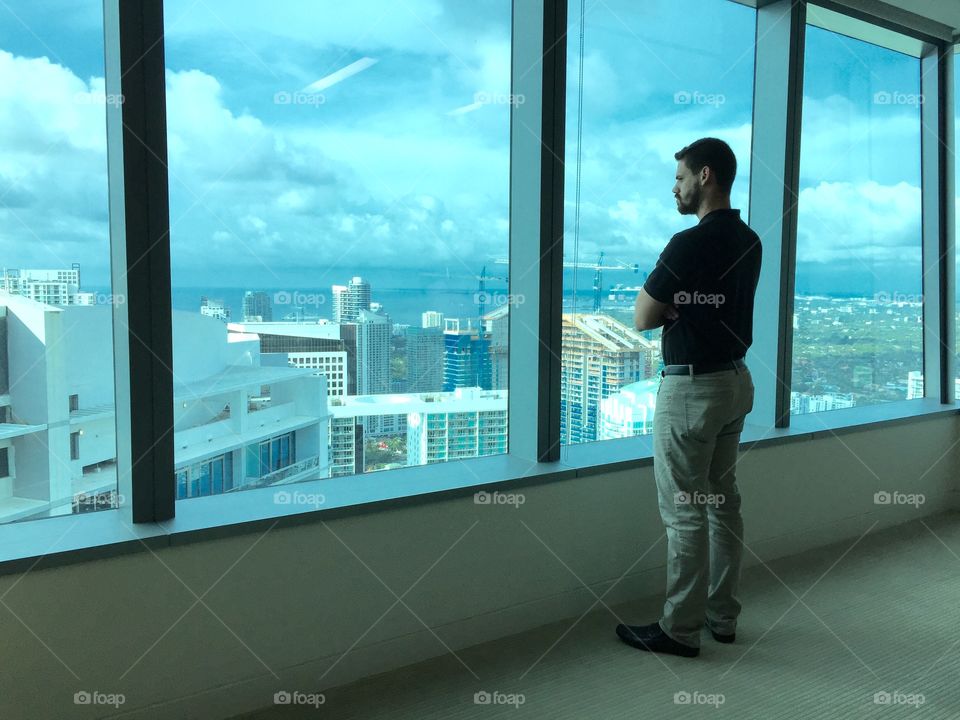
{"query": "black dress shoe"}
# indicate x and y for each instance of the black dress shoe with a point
(724, 638)
(652, 638)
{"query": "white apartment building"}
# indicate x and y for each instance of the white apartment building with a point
(58, 425)
(801, 404)
(915, 385)
(52, 287)
(468, 422)
(230, 435)
(214, 308)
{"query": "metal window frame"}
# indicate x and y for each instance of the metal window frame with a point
(774, 187)
(938, 219)
(777, 118)
(140, 258)
(537, 127)
(140, 248)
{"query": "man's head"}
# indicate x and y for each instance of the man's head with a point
(705, 172)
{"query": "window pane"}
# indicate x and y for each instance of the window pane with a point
(858, 317)
(57, 420)
(645, 95)
(346, 173)
(217, 476)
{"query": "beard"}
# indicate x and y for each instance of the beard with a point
(692, 205)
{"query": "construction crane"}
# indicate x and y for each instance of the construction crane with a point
(598, 284)
(618, 265)
(597, 268)
(482, 293)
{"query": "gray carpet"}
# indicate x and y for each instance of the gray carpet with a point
(884, 619)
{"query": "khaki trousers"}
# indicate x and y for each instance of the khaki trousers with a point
(696, 434)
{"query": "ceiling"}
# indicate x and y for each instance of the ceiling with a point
(943, 11)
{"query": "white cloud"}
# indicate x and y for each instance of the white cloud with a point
(866, 223)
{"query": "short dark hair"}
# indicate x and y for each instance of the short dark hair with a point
(712, 153)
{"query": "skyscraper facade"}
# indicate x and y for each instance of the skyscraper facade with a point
(350, 299)
(466, 359)
(257, 306)
(600, 356)
(424, 355)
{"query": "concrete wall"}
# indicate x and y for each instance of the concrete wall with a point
(88, 340)
(298, 599)
(200, 348)
(97, 444)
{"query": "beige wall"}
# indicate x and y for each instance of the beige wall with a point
(298, 598)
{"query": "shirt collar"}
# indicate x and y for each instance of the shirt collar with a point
(720, 212)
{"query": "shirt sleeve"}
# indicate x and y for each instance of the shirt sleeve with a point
(671, 271)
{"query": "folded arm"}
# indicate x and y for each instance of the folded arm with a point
(649, 313)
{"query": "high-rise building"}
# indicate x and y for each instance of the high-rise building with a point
(350, 299)
(497, 323)
(465, 423)
(257, 306)
(600, 356)
(424, 355)
(373, 353)
(51, 287)
(316, 346)
(466, 359)
(431, 319)
(801, 403)
(210, 307)
(373, 337)
(915, 385)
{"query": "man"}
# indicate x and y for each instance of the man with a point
(701, 291)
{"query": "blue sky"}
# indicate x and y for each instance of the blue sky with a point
(399, 168)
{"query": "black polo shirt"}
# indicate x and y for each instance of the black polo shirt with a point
(710, 273)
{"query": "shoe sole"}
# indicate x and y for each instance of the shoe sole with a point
(726, 639)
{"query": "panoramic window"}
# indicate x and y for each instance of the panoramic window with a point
(339, 227)
(636, 94)
(858, 316)
(57, 420)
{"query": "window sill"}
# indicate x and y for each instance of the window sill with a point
(78, 538)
